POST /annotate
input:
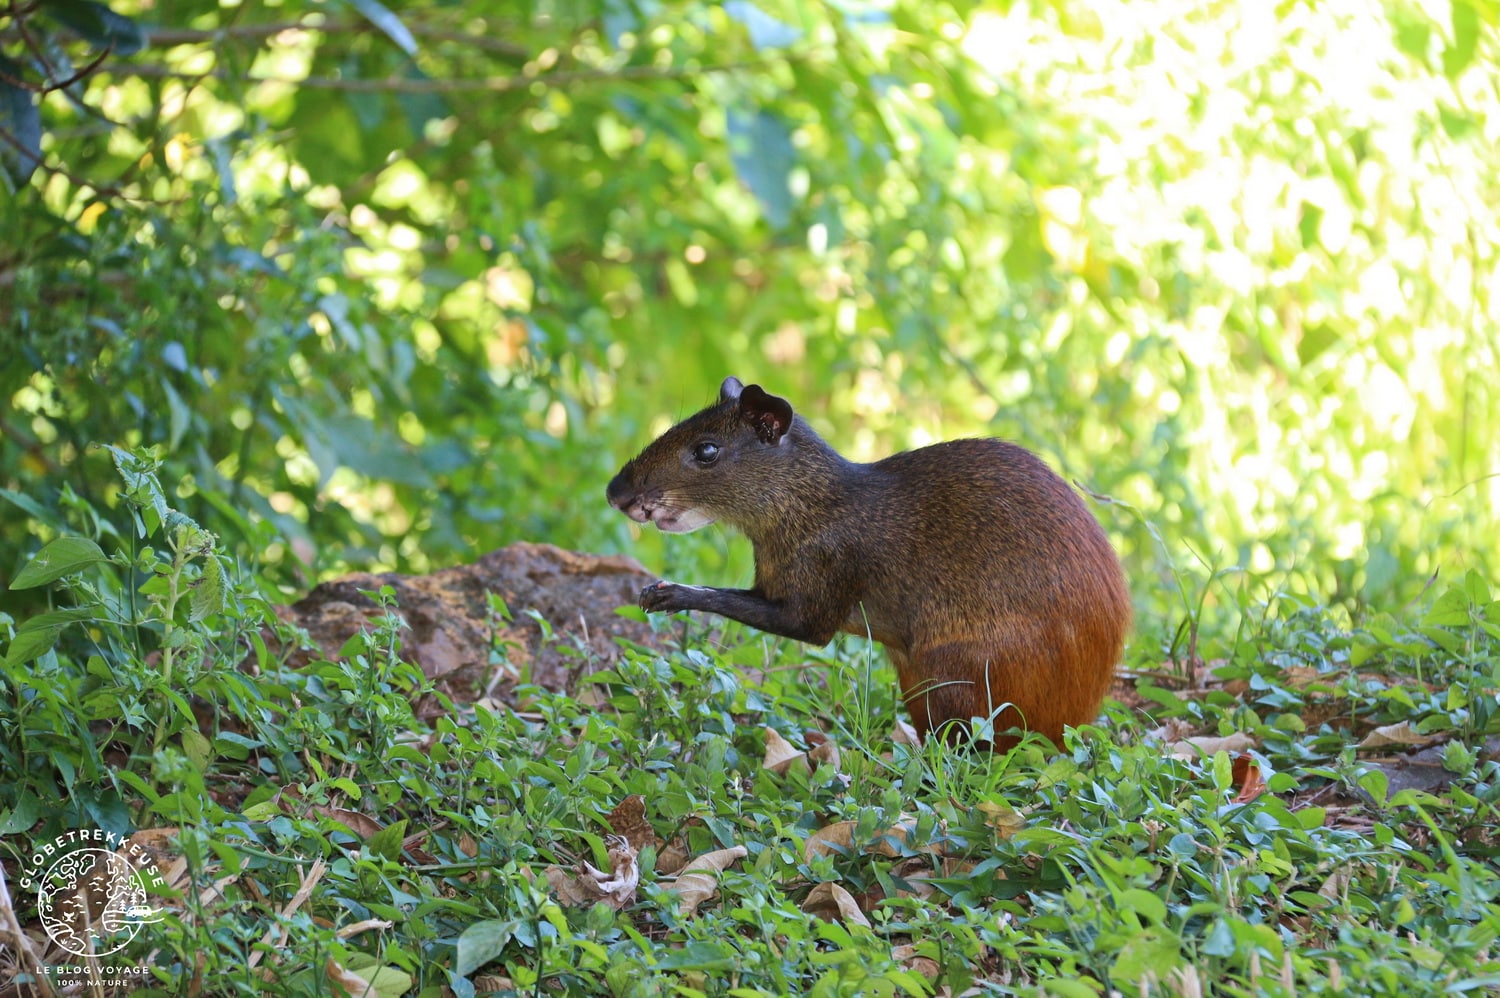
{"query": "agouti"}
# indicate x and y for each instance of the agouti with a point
(988, 581)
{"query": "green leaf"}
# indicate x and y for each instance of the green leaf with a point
(142, 485)
(760, 146)
(37, 636)
(21, 121)
(381, 16)
(64, 556)
(98, 24)
(1153, 952)
(208, 594)
(1413, 31)
(387, 842)
(22, 816)
(481, 943)
(28, 505)
(197, 748)
(766, 32)
(1451, 609)
(1145, 904)
(1375, 783)
(1458, 55)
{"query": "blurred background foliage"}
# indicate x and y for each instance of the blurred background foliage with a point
(388, 288)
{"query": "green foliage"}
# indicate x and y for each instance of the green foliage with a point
(297, 287)
(398, 282)
(1117, 865)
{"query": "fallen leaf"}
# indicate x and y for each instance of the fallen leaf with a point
(1300, 677)
(1395, 734)
(1199, 747)
(826, 754)
(1173, 731)
(1337, 885)
(358, 822)
(672, 856)
(780, 753)
(700, 878)
(830, 840)
(832, 903)
(839, 837)
(1004, 820)
(918, 875)
(628, 820)
(924, 965)
(346, 981)
(905, 734)
(1246, 775)
(588, 885)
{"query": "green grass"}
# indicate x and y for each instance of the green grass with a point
(311, 800)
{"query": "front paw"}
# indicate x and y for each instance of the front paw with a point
(657, 596)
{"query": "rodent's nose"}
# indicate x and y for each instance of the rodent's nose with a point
(618, 492)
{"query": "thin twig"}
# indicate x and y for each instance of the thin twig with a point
(165, 37)
(25, 955)
(489, 84)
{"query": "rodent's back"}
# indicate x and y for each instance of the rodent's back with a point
(974, 530)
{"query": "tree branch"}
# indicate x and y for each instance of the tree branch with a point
(488, 84)
(183, 36)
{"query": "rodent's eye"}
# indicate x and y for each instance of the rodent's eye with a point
(706, 453)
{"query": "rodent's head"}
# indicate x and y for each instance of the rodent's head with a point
(705, 468)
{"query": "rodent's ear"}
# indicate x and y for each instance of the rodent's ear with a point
(768, 415)
(730, 389)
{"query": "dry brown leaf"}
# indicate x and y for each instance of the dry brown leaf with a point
(346, 981)
(672, 856)
(1395, 734)
(830, 840)
(832, 903)
(1235, 687)
(355, 928)
(358, 822)
(918, 875)
(1173, 731)
(781, 754)
(905, 734)
(1300, 677)
(628, 820)
(589, 885)
(826, 754)
(1337, 885)
(1246, 775)
(839, 836)
(700, 878)
(1004, 820)
(924, 965)
(1196, 748)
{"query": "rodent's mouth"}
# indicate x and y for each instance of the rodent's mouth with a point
(679, 521)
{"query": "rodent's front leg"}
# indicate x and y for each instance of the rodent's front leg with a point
(746, 606)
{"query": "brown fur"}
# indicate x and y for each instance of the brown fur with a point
(983, 574)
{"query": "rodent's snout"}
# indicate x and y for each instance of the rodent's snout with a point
(623, 497)
(618, 492)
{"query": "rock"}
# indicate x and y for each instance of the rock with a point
(469, 651)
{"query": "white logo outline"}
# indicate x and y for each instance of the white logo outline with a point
(72, 875)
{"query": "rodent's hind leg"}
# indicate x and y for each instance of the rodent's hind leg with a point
(944, 685)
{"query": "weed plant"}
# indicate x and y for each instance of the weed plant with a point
(327, 829)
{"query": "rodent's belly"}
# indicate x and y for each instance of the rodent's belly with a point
(868, 621)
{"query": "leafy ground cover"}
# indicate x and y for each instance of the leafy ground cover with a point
(1241, 826)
